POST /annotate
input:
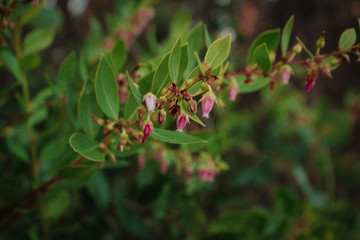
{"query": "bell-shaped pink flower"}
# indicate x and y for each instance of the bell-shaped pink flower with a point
(203, 175)
(285, 74)
(150, 102)
(123, 93)
(141, 162)
(147, 128)
(309, 83)
(207, 103)
(233, 91)
(181, 122)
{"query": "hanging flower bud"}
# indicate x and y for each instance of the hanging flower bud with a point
(123, 93)
(181, 122)
(309, 82)
(233, 91)
(141, 162)
(150, 102)
(192, 106)
(97, 120)
(147, 128)
(207, 103)
(297, 48)
(164, 166)
(140, 113)
(161, 102)
(285, 74)
(161, 116)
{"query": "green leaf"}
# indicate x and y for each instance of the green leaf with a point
(160, 76)
(257, 84)
(286, 34)
(30, 62)
(86, 147)
(208, 41)
(347, 38)
(135, 91)
(66, 73)
(12, 64)
(145, 82)
(38, 40)
(184, 60)
(200, 67)
(30, 13)
(130, 108)
(174, 137)
(82, 67)
(218, 52)
(106, 90)
(87, 106)
(194, 117)
(194, 39)
(99, 189)
(57, 204)
(270, 37)
(174, 60)
(118, 55)
(262, 58)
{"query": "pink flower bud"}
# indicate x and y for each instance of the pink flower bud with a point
(181, 122)
(161, 116)
(109, 44)
(150, 102)
(233, 91)
(203, 175)
(164, 166)
(141, 162)
(147, 128)
(285, 74)
(309, 82)
(207, 103)
(123, 93)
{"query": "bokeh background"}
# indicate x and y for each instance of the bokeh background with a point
(293, 156)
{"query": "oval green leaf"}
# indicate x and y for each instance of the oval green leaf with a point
(118, 55)
(38, 40)
(184, 61)
(87, 107)
(347, 38)
(270, 37)
(174, 137)
(174, 60)
(257, 84)
(286, 34)
(218, 52)
(106, 89)
(262, 58)
(160, 76)
(86, 147)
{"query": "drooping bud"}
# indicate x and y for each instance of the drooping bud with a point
(233, 91)
(161, 102)
(141, 162)
(123, 93)
(109, 44)
(285, 74)
(97, 120)
(309, 83)
(207, 103)
(164, 166)
(192, 106)
(181, 122)
(161, 116)
(140, 113)
(297, 48)
(150, 102)
(147, 128)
